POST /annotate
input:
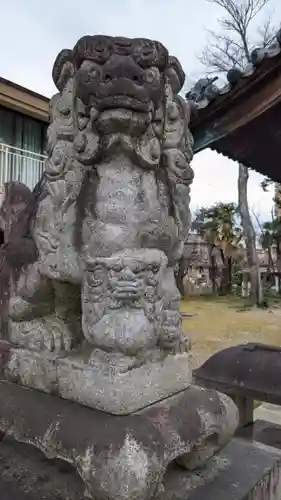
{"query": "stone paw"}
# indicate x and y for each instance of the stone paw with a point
(48, 334)
(58, 336)
(53, 341)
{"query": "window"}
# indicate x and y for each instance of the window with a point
(22, 141)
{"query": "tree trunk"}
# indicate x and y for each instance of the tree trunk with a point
(213, 267)
(278, 265)
(245, 284)
(276, 284)
(256, 294)
(272, 278)
(213, 273)
(224, 284)
(270, 260)
(229, 268)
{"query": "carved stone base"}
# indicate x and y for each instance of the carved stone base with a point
(114, 392)
(189, 427)
(222, 477)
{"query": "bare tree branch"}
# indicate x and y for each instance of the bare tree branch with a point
(257, 219)
(266, 33)
(233, 47)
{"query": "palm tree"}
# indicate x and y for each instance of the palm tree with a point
(270, 240)
(231, 46)
(219, 227)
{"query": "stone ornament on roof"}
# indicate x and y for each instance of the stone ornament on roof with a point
(204, 91)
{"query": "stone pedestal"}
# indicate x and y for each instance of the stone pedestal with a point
(24, 469)
(113, 391)
(123, 457)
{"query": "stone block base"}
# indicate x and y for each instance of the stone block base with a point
(241, 471)
(121, 457)
(117, 393)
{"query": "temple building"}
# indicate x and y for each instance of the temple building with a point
(241, 120)
(24, 119)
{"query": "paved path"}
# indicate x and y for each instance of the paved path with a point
(268, 412)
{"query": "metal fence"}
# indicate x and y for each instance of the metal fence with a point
(20, 165)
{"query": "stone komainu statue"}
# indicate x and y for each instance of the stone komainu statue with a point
(89, 306)
(108, 220)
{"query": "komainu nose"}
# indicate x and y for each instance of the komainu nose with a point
(127, 275)
(122, 67)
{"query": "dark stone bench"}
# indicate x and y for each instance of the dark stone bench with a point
(247, 373)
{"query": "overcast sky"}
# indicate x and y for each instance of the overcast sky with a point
(32, 32)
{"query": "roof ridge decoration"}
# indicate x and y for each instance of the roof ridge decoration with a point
(205, 91)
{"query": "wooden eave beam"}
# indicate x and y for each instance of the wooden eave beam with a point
(254, 93)
(240, 111)
(27, 103)
(252, 107)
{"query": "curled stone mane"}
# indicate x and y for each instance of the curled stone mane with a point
(86, 198)
(99, 47)
(39, 193)
(179, 74)
(62, 68)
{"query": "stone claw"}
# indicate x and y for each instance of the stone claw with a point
(59, 337)
(48, 334)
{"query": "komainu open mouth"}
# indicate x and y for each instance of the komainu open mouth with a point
(124, 102)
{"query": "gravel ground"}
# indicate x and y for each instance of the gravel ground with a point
(25, 474)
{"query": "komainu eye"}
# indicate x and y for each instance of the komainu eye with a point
(155, 268)
(117, 268)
